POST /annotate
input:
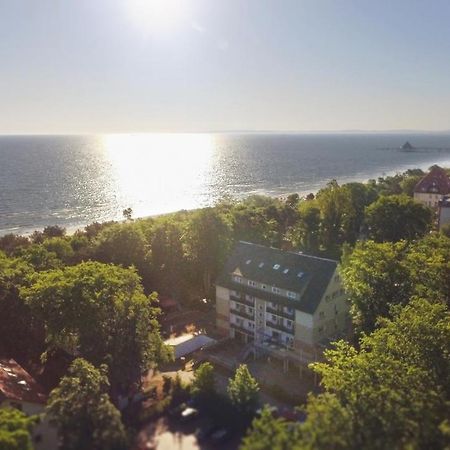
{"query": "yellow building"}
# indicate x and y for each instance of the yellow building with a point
(283, 304)
(18, 389)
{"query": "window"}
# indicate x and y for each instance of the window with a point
(248, 261)
(276, 266)
(275, 290)
(237, 279)
(274, 317)
(264, 286)
(261, 265)
(327, 298)
(289, 323)
(250, 310)
(291, 294)
(285, 271)
(321, 314)
(289, 310)
(251, 324)
(251, 283)
(300, 274)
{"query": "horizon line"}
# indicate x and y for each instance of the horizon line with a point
(236, 131)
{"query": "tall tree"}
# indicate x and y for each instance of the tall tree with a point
(204, 381)
(269, 433)
(375, 278)
(397, 217)
(209, 238)
(100, 312)
(82, 411)
(392, 393)
(21, 334)
(15, 428)
(243, 391)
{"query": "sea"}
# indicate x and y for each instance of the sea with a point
(72, 181)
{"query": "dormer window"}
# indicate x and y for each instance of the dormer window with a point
(285, 271)
(276, 266)
(237, 279)
(261, 265)
(248, 261)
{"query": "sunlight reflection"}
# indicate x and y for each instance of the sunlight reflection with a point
(168, 168)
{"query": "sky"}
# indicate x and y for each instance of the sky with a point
(119, 66)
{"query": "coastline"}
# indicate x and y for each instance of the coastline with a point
(71, 229)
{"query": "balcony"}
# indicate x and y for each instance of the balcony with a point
(280, 311)
(280, 327)
(242, 299)
(243, 313)
(242, 329)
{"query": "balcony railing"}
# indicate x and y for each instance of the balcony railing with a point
(280, 311)
(242, 299)
(243, 313)
(242, 329)
(280, 327)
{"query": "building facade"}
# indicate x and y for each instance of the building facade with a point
(444, 212)
(432, 188)
(285, 304)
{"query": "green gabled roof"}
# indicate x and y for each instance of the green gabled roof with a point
(297, 272)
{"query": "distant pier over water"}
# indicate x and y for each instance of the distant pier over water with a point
(409, 148)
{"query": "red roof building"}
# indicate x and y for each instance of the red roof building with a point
(432, 187)
(17, 385)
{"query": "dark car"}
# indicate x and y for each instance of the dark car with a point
(220, 435)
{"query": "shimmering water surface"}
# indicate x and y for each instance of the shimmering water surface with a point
(75, 180)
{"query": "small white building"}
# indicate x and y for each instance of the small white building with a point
(189, 343)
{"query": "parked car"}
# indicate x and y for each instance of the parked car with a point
(220, 435)
(189, 414)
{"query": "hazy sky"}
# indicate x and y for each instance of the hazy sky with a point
(87, 66)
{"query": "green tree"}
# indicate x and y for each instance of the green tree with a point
(204, 381)
(52, 231)
(21, 334)
(167, 258)
(397, 217)
(305, 234)
(428, 262)
(375, 278)
(100, 312)
(39, 257)
(268, 433)
(208, 239)
(15, 428)
(10, 243)
(122, 244)
(243, 391)
(81, 410)
(392, 393)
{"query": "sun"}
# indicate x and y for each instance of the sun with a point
(156, 15)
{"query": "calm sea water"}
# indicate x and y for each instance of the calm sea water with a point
(75, 180)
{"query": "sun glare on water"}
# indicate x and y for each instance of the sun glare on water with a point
(168, 168)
